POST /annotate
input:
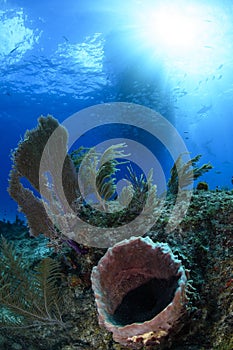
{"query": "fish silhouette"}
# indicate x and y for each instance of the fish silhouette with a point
(204, 109)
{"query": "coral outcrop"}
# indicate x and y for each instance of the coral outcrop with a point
(203, 242)
(140, 291)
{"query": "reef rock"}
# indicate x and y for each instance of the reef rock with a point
(140, 292)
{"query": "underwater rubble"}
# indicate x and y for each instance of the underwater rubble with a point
(203, 242)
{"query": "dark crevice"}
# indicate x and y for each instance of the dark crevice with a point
(146, 301)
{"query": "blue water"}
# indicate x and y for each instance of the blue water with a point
(59, 57)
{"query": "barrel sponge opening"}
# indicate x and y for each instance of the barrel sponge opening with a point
(139, 289)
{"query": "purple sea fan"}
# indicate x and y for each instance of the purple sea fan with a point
(140, 292)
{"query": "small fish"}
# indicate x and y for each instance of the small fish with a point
(221, 65)
(213, 77)
(220, 77)
(218, 172)
(232, 180)
(13, 50)
(208, 47)
(182, 93)
(186, 138)
(186, 132)
(204, 109)
(64, 37)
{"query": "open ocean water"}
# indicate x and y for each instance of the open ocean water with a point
(58, 58)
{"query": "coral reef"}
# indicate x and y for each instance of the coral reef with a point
(139, 289)
(203, 241)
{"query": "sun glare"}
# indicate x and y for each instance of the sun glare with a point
(174, 29)
(171, 28)
(184, 35)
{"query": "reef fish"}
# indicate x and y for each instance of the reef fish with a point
(204, 109)
(221, 65)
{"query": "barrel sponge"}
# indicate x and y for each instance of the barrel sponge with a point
(140, 292)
